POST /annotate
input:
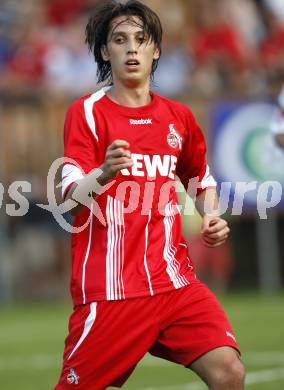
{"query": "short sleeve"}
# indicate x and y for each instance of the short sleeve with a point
(277, 120)
(79, 147)
(192, 162)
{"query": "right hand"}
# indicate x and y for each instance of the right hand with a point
(117, 157)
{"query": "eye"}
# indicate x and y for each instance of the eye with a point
(119, 40)
(141, 39)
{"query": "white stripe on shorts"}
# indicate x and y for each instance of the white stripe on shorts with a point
(87, 327)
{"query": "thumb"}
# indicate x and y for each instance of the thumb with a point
(205, 223)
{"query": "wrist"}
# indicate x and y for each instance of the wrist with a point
(104, 177)
(212, 214)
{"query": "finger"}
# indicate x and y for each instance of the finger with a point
(220, 230)
(215, 245)
(219, 226)
(119, 152)
(218, 235)
(214, 241)
(119, 167)
(211, 223)
(205, 223)
(219, 238)
(119, 143)
(119, 161)
(114, 169)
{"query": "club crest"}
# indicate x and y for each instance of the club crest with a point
(72, 378)
(173, 138)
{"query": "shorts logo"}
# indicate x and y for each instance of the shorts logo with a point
(72, 377)
(230, 335)
(173, 138)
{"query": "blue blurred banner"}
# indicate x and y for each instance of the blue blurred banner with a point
(245, 154)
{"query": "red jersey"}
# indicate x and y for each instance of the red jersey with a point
(138, 248)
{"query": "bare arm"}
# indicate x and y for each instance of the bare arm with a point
(117, 157)
(279, 138)
(214, 230)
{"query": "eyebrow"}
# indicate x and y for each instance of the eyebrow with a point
(114, 34)
(115, 28)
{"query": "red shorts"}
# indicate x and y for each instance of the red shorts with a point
(107, 339)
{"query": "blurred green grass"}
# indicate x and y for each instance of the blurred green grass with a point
(32, 336)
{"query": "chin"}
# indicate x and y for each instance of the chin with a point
(134, 79)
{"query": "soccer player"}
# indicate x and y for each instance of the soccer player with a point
(277, 124)
(133, 285)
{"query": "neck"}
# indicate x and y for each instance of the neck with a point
(129, 95)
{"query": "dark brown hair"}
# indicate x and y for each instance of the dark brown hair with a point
(98, 28)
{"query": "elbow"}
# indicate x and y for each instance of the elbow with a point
(279, 138)
(68, 196)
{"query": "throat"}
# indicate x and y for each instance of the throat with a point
(130, 97)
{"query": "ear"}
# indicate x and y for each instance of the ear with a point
(105, 53)
(157, 54)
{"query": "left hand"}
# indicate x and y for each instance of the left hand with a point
(215, 231)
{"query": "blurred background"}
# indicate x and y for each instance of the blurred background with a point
(225, 60)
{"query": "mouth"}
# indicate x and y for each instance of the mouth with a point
(132, 63)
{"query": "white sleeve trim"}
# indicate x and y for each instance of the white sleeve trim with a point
(208, 180)
(277, 122)
(70, 174)
(88, 107)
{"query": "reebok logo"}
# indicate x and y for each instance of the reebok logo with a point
(140, 121)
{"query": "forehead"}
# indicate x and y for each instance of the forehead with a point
(126, 24)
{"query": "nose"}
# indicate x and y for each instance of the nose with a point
(132, 46)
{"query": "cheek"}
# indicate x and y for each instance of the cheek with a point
(115, 54)
(116, 59)
(151, 53)
(150, 58)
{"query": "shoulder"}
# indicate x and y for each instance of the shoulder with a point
(176, 106)
(86, 102)
(77, 106)
(81, 114)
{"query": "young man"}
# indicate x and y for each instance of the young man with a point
(133, 285)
